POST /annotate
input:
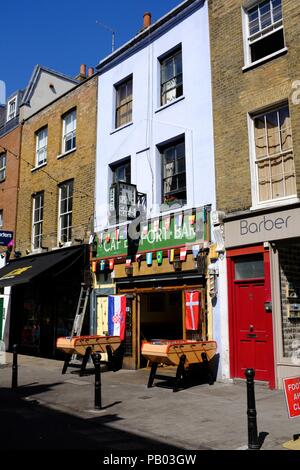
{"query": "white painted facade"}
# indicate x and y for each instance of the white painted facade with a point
(153, 125)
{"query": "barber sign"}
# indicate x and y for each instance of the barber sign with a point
(292, 395)
(5, 238)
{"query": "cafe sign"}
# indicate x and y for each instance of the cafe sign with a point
(164, 232)
(262, 228)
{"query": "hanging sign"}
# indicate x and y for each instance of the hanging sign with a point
(5, 237)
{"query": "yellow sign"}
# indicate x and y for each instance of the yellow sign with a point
(15, 272)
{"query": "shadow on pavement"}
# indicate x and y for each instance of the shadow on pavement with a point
(30, 425)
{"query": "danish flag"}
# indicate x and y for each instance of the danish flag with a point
(192, 310)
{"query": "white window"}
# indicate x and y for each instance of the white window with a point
(1, 218)
(2, 166)
(264, 28)
(69, 131)
(65, 211)
(41, 146)
(123, 103)
(11, 108)
(274, 158)
(37, 220)
(171, 77)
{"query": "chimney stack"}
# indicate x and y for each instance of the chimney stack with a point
(147, 20)
(90, 71)
(82, 73)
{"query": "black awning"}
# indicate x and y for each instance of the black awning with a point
(20, 271)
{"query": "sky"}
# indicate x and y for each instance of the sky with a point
(62, 34)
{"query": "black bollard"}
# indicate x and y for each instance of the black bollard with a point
(98, 404)
(253, 443)
(14, 380)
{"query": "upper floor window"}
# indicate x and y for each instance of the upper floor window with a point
(121, 171)
(1, 219)
(41, 146)
(171, 77)
(265, 30)
(69, 131)
(174, 173)
(2, 166)
(12, 108)
(123, 102)
(65, 211)
(37, 220)
(274, 159)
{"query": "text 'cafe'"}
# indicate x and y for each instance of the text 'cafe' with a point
(161, 274)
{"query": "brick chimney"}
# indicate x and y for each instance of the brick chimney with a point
(90, 71)
(147, 20)
(82, 73)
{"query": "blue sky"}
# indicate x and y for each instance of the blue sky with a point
(62, 34)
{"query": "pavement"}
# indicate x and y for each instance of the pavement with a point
(49, 410)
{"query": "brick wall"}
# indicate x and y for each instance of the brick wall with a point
(8, 187)
(78, 165)
(237, 92)
(289, 258)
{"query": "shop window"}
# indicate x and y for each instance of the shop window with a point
(274, 156)
(265, 33)
(249, 268)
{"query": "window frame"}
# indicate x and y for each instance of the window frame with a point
(117, 107)
(256, 202)
(39, 222)
(162, 148)
(68, 213)
(269, 30)
(3, 167)
(1, 219)
(14, 99)
(171, 54)
(37, 149)
(126, 162)
(73, 132)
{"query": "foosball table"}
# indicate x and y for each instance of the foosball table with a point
(87, 346)
(180, 353)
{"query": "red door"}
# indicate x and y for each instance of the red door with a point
(252, 318)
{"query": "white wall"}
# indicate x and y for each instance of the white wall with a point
(151, 126)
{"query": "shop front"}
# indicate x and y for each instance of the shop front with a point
(44, 295)
(263, 272)
(162, 275)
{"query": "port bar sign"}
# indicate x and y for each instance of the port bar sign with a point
(292, 395)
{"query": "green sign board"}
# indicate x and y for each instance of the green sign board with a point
(164, 232)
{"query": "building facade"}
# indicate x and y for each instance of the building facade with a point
(10, 141)
(155, 182)
(254, 48)
(55, 213)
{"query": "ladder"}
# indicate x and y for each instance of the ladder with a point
(80, 311)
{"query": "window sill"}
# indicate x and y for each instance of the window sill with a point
(63, 245)
(121, 127)
(161, 108)
(276, 203)
(2, 181)
(264, 59)
(66, 153)
(38, 167)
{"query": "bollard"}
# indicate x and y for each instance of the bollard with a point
(14, 381)
(98, 404)
(253, 443)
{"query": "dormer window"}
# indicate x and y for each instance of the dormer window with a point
(12, 108)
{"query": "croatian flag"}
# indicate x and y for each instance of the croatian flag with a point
(192, 310)
(117, 315)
